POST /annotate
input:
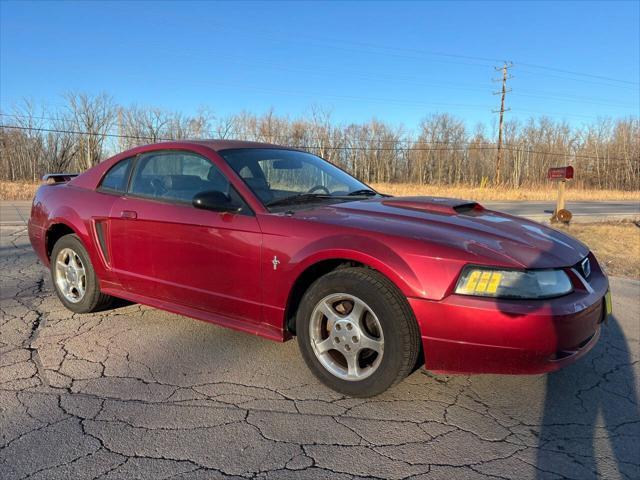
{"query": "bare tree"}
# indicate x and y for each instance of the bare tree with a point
(61, 144)
(95, 117)
(606, 153)
(23, 156)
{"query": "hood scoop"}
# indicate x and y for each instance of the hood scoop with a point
(444, 206)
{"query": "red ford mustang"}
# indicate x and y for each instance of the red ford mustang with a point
(278, 242)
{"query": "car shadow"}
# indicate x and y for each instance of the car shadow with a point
(117, 303)
(590, 404)
(590, 408)
(590, 421)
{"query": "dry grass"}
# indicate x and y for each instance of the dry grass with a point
(26, 190)
(615, 244)
(17, 190)
(493, 193)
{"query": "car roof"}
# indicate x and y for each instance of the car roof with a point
(219, 145)
(91, 177)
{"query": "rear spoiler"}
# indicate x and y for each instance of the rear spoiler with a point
(53, 178)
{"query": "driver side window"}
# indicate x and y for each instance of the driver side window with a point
(178, 176)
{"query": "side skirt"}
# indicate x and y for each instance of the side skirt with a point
(259, 329)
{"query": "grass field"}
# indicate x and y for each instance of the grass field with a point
(616, 245)
(17, 190)
(25, 191)
(502, 193)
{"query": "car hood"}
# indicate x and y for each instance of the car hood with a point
(473, 232)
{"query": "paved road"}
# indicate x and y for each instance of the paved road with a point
(582, 211)
(15, 213)
(139, 393)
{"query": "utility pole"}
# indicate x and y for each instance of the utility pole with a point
(505, 76)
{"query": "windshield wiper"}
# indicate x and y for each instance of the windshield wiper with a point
(298, 198)
(307, 197)
(365, 192)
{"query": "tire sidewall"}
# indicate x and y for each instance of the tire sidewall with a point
(72, 242)
(366, 290)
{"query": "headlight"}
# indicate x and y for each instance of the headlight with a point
(488, 282)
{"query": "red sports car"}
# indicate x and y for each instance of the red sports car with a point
(280, 243)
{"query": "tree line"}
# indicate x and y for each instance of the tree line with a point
(86, 129)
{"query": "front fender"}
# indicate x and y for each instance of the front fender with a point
(361, 249)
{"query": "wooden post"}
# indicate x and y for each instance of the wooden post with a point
(561, 214)
(560, 201)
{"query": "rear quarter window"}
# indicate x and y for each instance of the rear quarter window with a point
(115, 180)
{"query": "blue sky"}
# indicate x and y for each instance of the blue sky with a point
(395, 61)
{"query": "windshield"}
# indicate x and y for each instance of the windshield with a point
(287, 177)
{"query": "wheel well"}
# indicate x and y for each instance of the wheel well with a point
(55, 233)
(304, 281)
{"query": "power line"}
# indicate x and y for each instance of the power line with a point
(232, 132)
(486, 61)
(408, 80)
(576, 99)
(467, 145)
(376, 76)
(591, 82)
(572, 72)
(162, 139)
(412, 81)
(409, 141)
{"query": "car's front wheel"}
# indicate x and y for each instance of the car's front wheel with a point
(74, 279)
(356, 332)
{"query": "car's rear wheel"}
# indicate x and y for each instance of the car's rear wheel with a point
(74, 278)
(356, 332)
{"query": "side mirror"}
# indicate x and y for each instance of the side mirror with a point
(216, 201)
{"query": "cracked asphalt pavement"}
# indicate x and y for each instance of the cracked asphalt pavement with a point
(134, 392)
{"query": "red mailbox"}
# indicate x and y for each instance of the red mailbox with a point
(560, 173)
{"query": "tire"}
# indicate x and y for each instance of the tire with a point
(81, 296)
(344, 313)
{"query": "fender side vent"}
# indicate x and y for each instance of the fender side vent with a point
(101, 240)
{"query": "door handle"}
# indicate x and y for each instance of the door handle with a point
(130, 214)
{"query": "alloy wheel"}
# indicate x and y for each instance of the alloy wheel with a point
(71, 278)
(346, 337)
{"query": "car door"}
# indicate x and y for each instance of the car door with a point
(166, 249)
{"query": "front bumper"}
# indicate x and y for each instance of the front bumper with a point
(464, 334)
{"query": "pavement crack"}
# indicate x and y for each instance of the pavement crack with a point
(36, 327)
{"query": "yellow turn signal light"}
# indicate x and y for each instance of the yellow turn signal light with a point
(481, 282)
